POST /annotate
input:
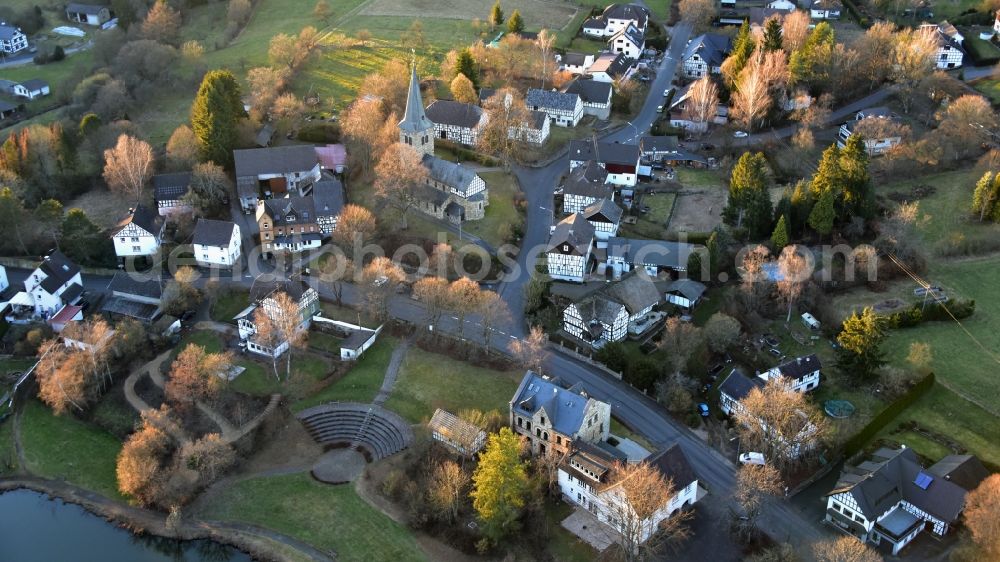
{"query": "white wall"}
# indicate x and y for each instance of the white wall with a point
(221, 256)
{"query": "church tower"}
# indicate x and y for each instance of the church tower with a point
(416, 130)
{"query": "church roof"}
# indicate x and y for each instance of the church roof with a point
(414, 120)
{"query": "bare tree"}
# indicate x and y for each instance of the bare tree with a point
(755, 280)
(530, 352)
(399, 176)
(464, 297)
(754, 93)
(913, 60)
(463, 90)
(449, 486)
(128, 166)
(699, 13)
(964, 125)
(506, 131)
(196, 374)
(492, 311)
(844, 549)
(780, 423)
(546, 40)
(754, 484)
(182, 149)
(794, 272)
(703, 101)
(875, 50)
(721, 331)
(679, 340)
(286, 314)
(267, 335)
(162, 24)
(379, 280)
(794, 30)
(355, 225)
(432, 292)
(265, 84)
(363, 124)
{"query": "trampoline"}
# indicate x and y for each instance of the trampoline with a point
(839, 409)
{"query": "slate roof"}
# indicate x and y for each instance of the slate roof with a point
(455, 428)
(627, 11)
(563, 407)
(607, 152)
(632, 33)
(575, 59)
(447, 112)
(889, 476)
(414, 119)
(573, 230)
(546, 99)
(674, 465)
(169, 187)
(660, 253)
(35, 84)
(737, 385)
(589, 180)
(260, 291)
(451, 174)
(611, 64)
(58, 269)
(758, 16)
(485, 94)
(89, 9)
(687, 288)
(635, 290)
(800, 366)
(651, 145)
(356, 338)
(595, 23)
(135, 285)
(591, 91)
(143, 217)
(275, 160)
(712, 47)
(8, 32)
(598, 308)
(213, 233)
(303, 207)
(537, 119)
(139, 310)
(5, 107)
(328, 197)
(605, 209)
(965, 470)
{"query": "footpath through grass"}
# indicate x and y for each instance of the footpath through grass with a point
(362, 382)
(332, 518)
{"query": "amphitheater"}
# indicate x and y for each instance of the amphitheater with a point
(370, 429)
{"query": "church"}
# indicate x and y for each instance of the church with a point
(453, 191)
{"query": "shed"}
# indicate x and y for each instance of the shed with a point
(810, 321)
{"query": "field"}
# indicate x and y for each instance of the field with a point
(428, 381)
(331, 518)
(652, 225)
(229, 304)
(699, 202)
(989, 88)
(538, 14)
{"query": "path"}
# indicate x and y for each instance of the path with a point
(392, 372)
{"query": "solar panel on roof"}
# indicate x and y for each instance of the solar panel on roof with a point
(923, 480)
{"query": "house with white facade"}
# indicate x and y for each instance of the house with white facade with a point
(620, 160)
(4, 283)
(783, 5)
(880, 142)
(216, 243)
(615, 18)
(355, 339)
(453, 432)
(169, 191)
(655, 256)
(629, 41)
(612, 312)
(610, 67)
(605, 215)
(735, 388)
(135, 296)
(457, 122)
(596, 96)
(576, 63)
(551, 417)
(586, 184)
(587, 478)
(274, 172)
(800, 374)
(12, 39)
(889, 499)
(565, 110)
(704, 55)
(90, 14)
(30, 89)
(570, 246)
(949, 52)
(53, 285)
(138, 234)
(825, 9)
(535, 131)
(685, 293)
(263, 297)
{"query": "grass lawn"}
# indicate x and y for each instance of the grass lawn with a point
(989, 88)
(692, 177)
(324, 342)
(205, 338)
(652, 225)
(229, 305)
(501, 215)
(979, 50)
(65, 448)
(428, 381)
(259, 379)
(8, 454)
(586, 46)
(564, 545)
(617, 428)
(362, 382)
(331, 518)
(344, 314)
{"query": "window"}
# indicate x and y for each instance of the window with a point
(543, 420)
(205, 257)
(519, 422)
(136, 249)
(135, 238)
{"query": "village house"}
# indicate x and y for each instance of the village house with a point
(610, 67)
(783, 5)
(134, 296)
(294, 224)
(949, 45)
(587, 184)
(453, 432)
(758, 19)
(576, 63)
(629, 41)
(587, 478)
(620, 160)
(53, 285)
(7, 109)
(216, 243)
(825, 9)
(552, 418)
(704, 55)
(169, 191)
(565, 110)
(605, 215)
(12, 39)
(877, 144)
(355, 339)
(456, 122)
(90, 14)
(280, 171)
(685, 293)
(615, 18)
(596, 96)
(570, 245)
(735, 388)
(30, 89)
(800, 374)
(889, 499)
(263, 296)
(138, 234)
(535, 131)
(612, 312)
(655, 256)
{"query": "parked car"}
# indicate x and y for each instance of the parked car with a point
(741, 134)
(186, 317)
(752, 458)
(666, 92)
(703, 409)
(659, 109)
(775, 352)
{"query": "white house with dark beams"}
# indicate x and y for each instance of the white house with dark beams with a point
(139, 233)
(629, 41)
(889, 499)
(704, 55)
(565, 110)
(587, 184)
(596, 96)
(570, 246)
(457, 122)
(615, 18)
(801, 373)
(552, 418)
(655, 256)
(169, 191)
(620, 160)
(12, 39)
(216, 243)
(53, 285)
(534, 131)
(949, 46)
(263, 296)
(605, 215)
(613, 311)
(587, 479)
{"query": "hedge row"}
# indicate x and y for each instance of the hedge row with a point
(931, 312)
(857, 442)
(467, 155)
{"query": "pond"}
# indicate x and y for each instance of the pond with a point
(37, 528)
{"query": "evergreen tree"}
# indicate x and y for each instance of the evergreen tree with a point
(801, 202)
(500, 485)
(12, 215)
(749, 202)
(466, 65)
(823, 213)
(694, 267)
(808, 63)
(986, 198)
(743, 46)
(779, 238)
(772, 34)
(859, 353)
(48, 214)
(214, 116)
(515, 24)
(858, 197)
(829, 176)
(714, 254)
(82, 241)
(496, 14)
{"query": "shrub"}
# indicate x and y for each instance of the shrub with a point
(320, 132)
(857, 442)
(931, 312)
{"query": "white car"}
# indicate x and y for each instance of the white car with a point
(666, 92)
(741, 134)
(752, 458)
(659, 109)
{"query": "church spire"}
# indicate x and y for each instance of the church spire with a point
(414, 120)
